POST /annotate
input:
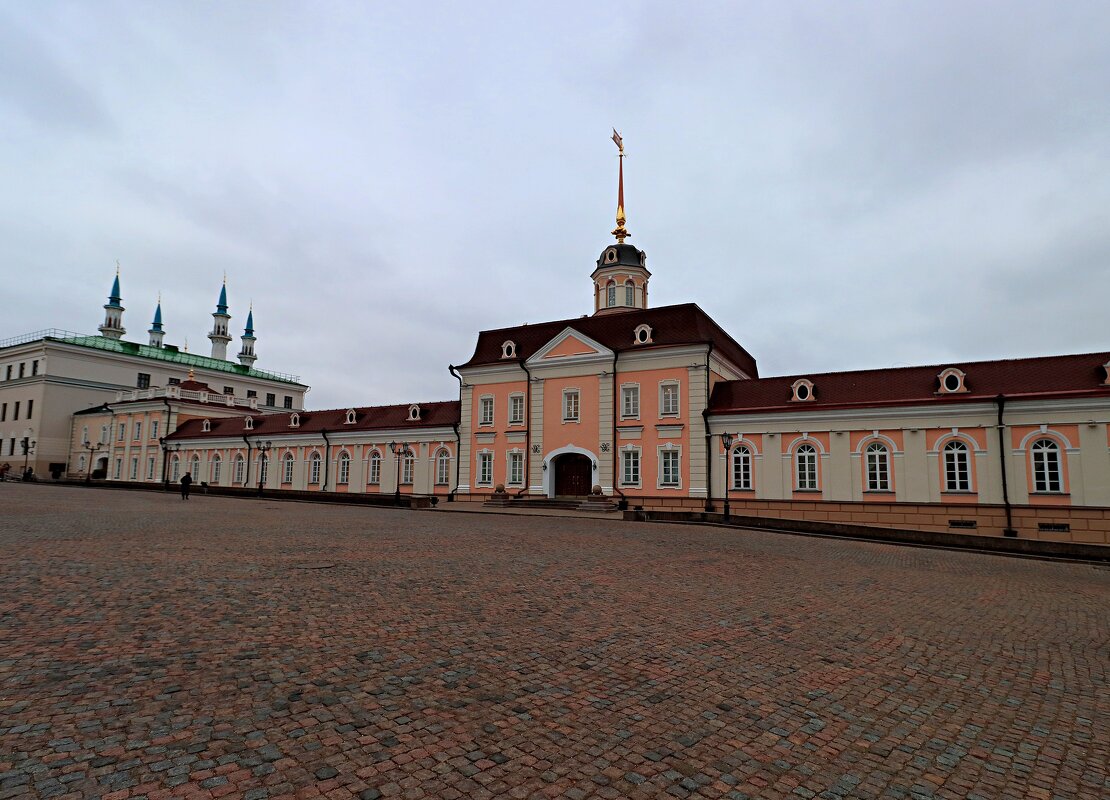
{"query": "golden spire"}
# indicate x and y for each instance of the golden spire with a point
(117, 267)
(620, 231)
(192, 374)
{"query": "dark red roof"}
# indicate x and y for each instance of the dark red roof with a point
(1048, 376)
(367, 418)
(670, 326)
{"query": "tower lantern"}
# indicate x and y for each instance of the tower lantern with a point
(621, 276)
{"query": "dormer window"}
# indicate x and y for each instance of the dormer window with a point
(414, 413)
(294, 420)
(508, 349)
(248, 423)
(1106, 369)
(802, 391)
(952, 381)
(205, 426)
(350, 417)
(611, 255)
(642, 334)
(643, 259)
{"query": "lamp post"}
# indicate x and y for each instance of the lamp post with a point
(726, 440)
(399, 450)
(28, 447)
(92, 448)
(263, 449)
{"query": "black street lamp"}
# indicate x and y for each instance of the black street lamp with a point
(399, 450)
(28, 445)
(726, 440)
(263, 449)
(166, 450)
(92, 448)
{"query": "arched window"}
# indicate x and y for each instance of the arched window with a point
(206, 426)
(263, 470)
(240, 467)
(878, 468)
(248, 423)
(629, 293)
(314, 468)
(287, 468)
(957, 467)
(216, 464)
(741, 468)
(294, 420)
(374, 474)
(407, 463)
(350, 417)
(195, 468)
(85, 434)
(175, 469)
(805, 462)
(611, 294)
(344, 467)
(443, 468)
(81, 464)
(1047, 475)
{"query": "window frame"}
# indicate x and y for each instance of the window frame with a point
(514, 458)
(808, 470)
(630, 293)
(443, 467)
(568, 393)
(634, 455)
(666, 454)
(314, 463)
(663, 387)
(1042, 473)
(485, 402)
(215, 469)
(239, 475)
(741, 456)
(408, 468)
(876, 467)
(948, 452)
(343, 468)
(288, 462)
(484, 462)
(374, 468)
(514, 399)
(630, 390)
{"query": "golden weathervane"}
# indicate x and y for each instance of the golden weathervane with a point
(620, 231)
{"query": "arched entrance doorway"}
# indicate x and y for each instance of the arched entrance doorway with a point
(101, 470)
(573, 474)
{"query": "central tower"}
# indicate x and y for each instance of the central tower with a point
(621, 276)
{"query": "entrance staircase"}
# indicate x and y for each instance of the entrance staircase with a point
(556, 503)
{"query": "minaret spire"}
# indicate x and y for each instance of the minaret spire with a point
(620, 231)
(156, 332)
(246, 355)
(113, 312)
(220, 319)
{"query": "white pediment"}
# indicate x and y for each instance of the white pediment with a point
(570, 347)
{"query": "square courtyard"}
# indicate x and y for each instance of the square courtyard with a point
(255, 648)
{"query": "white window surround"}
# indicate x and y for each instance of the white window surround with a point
(216, 465)
(374, 472)
(175, 470)
(134, 468)
(287, 461)
(631, 467)
(611, 294)
(514, 462)
(877, 467)
(572, 404)
(408, 464)
(1106, 369)
(485, 468)
(206, 426)
(414, 412)
(485, 410)
(630, 401)
(952, 381)
(670, 405)
(629, 293)
(806, 476)
(248, 423)
(314, 462)
(1046, 466)
(443, 467)
(240, 468)
(956, 466)
(802, 391)
(154, 429)
(508, 349)
(516, 408)
(669, 460)
(351, 417)
(740, 473)
(294, 420)
(344, 471)
(642, 335)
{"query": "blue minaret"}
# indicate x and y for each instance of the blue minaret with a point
(156, 332)
(246, 355)
(113, 313)
(220, 319)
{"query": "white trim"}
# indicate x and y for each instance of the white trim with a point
(492, 411)
(677, 383)
(802, 383)
(549, 472)
(577, 418)
(669, 447)
(639, 483)
(875, 436)
(622, 414)
(516, 451)
(523, 411)
(602, 352)
(805, 438)
(1045, 431)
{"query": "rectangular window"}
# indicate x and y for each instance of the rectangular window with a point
(103, 434)
(30, 408)
(570, 405)
(630, 467)
(9, 372)
(122, 432)
(668, 400)
(516, 409)
(22, 369)
(3, 412)
(229, 390)
(271, 399)
(485, 411)
(287, 470)
(878, 468)
(134, 468)
(668, 468)
(252, 393)
(150, 469)
(143, 381)
(516, 468)
(741, 469)
(240, 469)
(138, 430)
(375, 469)
(119, 468)
(173, 381)
(263, 470)
(34, 368)
(407, 469)
(630, 402)
(15, 410)
(154, 429)
(485, 469)
(11, 447)
(805, 459)
(443, 468)
(288, 401)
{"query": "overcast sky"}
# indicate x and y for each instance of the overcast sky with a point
(841, 185)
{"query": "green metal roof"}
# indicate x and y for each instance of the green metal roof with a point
(171, 354)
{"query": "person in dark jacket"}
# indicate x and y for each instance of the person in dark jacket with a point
(186, 482)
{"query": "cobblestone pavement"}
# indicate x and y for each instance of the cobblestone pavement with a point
(261, 649)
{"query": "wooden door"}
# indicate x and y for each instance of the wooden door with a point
(572, 475)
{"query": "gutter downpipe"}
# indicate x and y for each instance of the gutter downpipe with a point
(458, 437)
(1009, 530)
(165, 452)
(327, 457)
(709, 454)
(527, 429)
(616, 406)
(247, 477)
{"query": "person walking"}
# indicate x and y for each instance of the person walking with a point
(186, 482)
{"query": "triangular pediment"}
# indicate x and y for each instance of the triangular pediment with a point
(570, 346)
